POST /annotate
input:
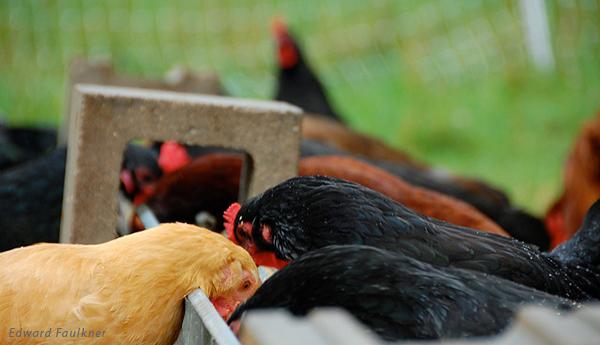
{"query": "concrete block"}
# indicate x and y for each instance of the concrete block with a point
(104, 119)
(82, 71)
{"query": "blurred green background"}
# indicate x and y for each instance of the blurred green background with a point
(448, 81)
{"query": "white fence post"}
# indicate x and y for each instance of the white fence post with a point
(535, 23)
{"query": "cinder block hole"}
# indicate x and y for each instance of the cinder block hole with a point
(181, 183)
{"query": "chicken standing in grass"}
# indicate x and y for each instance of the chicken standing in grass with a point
(130, 289)
(298, 84)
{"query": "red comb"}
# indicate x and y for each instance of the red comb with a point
(279, 28)
(173, 156)
(229, 215)
(261, 258)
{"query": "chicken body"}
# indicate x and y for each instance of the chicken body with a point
(209, 183)
(581, 183)
(396, 296)
(18, 145)
(306, 213)
(299, 85)
(340, 137)
(296, 82)
(488, 200)
(31, 196)
(31, 201)
(424, 201)
(130, 289)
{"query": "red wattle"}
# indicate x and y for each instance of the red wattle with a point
(269, 259)
(260, 258)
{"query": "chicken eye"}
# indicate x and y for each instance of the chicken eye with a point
(144, 176)
(241, 234)
(246, 285)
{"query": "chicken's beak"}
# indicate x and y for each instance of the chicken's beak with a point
(224, 308)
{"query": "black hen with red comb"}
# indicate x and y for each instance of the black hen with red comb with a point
(297, 83)
(306, 213)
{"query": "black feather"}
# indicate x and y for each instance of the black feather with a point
(306, 213)
(299, 85)
(31, 196)
(488, 200)
(396, 296)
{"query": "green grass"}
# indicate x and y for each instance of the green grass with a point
(514, 134)
(448, 81)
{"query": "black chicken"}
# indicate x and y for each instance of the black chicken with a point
(296, 82)
(139, 171)
(306, 213)
(31, 201)
(18, 145)
(31, 195)
(488, 200)
(396, 296)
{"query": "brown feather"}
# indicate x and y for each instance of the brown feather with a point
(321, 129)
(581, 182)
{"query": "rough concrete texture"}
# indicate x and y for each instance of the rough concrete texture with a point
(104, 119)
(82, 71)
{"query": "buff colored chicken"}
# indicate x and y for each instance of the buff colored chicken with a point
(126, 291)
